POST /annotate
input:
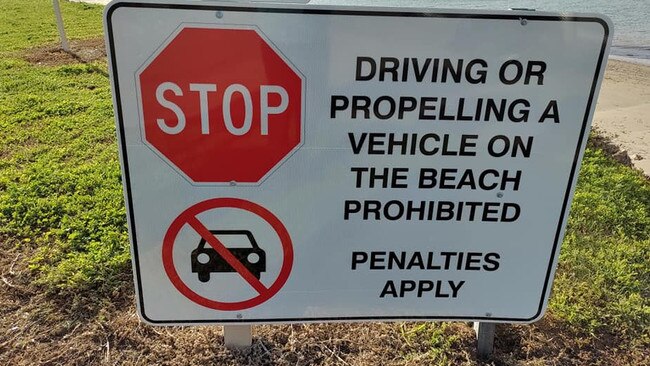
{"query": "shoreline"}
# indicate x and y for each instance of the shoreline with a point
(634, 54)
(628, 53)
(630, 59)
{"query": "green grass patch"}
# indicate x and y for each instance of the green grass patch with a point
(30, 23)
(435, 339)
(603, 278)
(60, 183)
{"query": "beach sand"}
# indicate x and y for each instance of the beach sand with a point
(623, 110)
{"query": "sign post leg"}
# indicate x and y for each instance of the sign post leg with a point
(238, 336)
(59, 24)
(485, 338)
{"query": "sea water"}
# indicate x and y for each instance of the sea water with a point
(630, 17)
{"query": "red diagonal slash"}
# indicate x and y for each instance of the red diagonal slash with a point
(225, 254)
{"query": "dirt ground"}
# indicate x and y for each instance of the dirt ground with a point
(97, 327)
(86, 50)
(100, 328)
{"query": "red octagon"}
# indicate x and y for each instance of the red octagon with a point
(221, 105)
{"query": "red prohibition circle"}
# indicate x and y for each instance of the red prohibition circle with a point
(189, 215)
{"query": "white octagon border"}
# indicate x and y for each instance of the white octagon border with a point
(280, 54)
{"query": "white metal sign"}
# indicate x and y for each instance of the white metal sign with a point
(305, 163)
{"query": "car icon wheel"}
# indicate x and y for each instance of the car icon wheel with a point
(204, 276)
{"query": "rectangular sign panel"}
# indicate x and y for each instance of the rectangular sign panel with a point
(305, 163)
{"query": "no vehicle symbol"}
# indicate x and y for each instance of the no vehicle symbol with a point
(212, 258)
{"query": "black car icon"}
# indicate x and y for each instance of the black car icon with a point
(206, 260)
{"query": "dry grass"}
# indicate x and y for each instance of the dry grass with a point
(41, 328)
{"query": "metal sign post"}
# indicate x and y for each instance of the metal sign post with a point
(238, 336)
(484, 338)
(59, 24)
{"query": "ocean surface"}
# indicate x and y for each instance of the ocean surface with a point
(631, 17)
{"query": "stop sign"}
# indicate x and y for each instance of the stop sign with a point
(221, 105)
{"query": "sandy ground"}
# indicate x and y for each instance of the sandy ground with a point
(623, 110)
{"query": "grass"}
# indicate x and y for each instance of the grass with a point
(61, 193)
(60, 184)
(437, 339)
(25, 24)
(603, 279)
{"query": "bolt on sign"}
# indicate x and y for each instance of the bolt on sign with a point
(315, 163)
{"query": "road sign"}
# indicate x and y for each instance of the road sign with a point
(307, 163)
(220, 127)
(242, 261)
